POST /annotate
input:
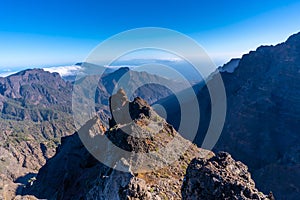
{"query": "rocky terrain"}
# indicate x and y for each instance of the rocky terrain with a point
(219, 177)
(36, 111)
(261, 130)
(262, 123)
(73, 173)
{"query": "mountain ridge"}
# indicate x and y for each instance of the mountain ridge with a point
(262, 121)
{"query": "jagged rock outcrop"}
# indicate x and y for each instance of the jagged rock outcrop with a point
(73, 173)
(219, 177)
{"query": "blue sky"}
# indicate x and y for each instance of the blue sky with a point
(43, 33)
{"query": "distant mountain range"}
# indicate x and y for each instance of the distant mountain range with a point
(181, 69)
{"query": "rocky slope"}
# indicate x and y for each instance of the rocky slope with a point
(263, 116)
(35, 111)
(219, 177)
(73, 173)
(262, 123)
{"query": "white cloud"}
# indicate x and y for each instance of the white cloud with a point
(118, 66)
(171, 59)
(64, 70)
(5, 74)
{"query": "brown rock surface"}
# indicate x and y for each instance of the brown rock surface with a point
(219, 177)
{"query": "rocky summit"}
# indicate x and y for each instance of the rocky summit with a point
(176, 171)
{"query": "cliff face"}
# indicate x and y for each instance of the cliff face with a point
(262, 125)
(73, 173)
(263, 111)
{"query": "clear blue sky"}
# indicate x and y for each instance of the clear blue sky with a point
(36, 33)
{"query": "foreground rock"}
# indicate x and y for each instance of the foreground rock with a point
(219, 177)
(73, 173)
